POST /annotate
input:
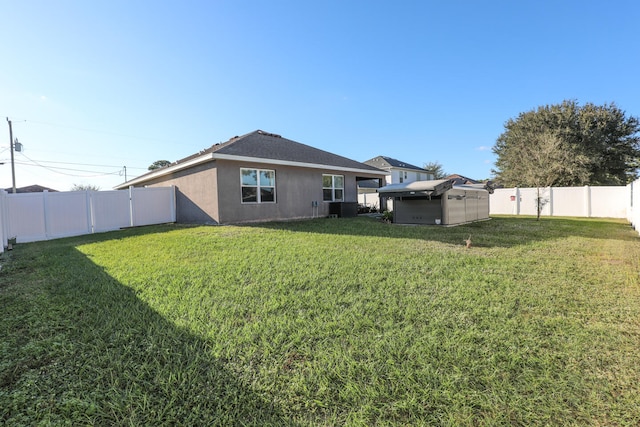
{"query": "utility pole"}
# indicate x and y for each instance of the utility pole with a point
(13, 169)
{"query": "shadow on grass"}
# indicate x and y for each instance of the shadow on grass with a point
(500, 231)
(81, 348)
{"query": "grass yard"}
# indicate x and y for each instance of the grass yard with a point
(325, 322)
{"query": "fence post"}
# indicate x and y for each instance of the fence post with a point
(635, 211)
(131, 205)
(3, 221)
(517, 200)
(550, 201)
(634, 205)
(587, 201)
(630, 207)
(45, 208)
(90, 216)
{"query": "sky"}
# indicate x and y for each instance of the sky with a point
(96, 91)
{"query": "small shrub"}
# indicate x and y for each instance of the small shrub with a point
(362, 209)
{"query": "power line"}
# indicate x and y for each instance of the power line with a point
(47, 164)
(85, 164)
(57, 169)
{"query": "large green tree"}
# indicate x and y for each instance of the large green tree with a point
(567, 144)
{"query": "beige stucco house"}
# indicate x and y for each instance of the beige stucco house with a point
(260, 176)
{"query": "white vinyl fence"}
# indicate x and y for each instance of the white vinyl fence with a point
(29, 217)
(600, 202)
(605, 202)
(633, 215)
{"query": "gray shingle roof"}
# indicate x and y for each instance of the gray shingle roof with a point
(267, 146)
(264, 145)
(384, 162)
(461, 179)
(369, 183)
(31, 189)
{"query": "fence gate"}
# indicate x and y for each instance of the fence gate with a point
(30, 217)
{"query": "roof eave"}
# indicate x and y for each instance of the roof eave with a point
(166, 171)
(218, 156)
(297, 164)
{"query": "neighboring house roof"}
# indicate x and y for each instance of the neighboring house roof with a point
(369, 183)
(263, 147)
(460, 179)
(383, 162)
(31, 189)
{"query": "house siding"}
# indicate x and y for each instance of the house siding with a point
(296, 189)
(211, 193)
(196, 193)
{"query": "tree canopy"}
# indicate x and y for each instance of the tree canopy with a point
(84, 187)
(568, 144)
(159, 164)
(436, 168)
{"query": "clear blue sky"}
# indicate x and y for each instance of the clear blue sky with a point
(97, 85)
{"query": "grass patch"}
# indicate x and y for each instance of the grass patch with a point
(325, 322)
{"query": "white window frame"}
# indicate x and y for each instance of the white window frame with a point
(333, 188)
(258, 186)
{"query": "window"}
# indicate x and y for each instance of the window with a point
(332, 188)
(258, 185)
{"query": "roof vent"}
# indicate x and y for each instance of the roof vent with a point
(273, 135)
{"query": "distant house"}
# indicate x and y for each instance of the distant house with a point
(397, 172)
(460, 179)
(31, 189)
(260, 176)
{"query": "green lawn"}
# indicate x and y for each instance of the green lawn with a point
(325, 322)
